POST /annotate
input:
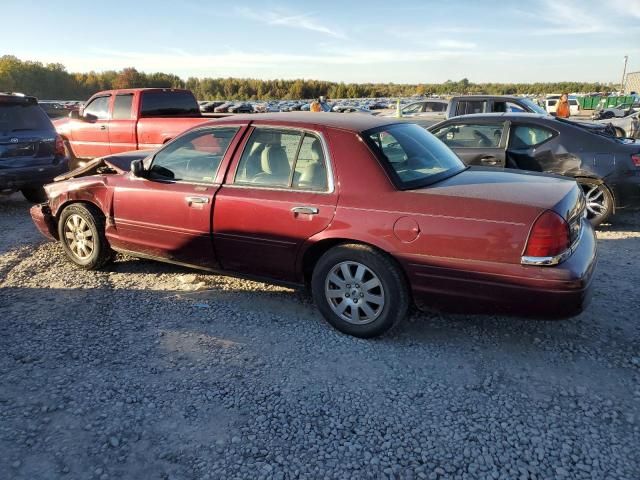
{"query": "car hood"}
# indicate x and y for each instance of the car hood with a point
(501, 186)
(117, 163)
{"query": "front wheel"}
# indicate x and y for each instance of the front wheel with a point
(599, 200)
(359, 290)
(81, 232)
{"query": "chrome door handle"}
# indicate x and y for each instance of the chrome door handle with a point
(305, 210)
(199, 200)
(489, 160)
(103, 127)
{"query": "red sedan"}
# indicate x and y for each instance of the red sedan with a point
(370, 213)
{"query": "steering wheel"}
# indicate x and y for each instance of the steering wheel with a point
(484, 140)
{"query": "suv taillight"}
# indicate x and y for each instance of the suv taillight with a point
(59, 146)
(549, 236)
(636, 160)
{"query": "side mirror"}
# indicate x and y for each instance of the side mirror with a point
(74, 114)
(88, 117)
(137, 168)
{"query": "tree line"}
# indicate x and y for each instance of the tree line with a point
(52, 81)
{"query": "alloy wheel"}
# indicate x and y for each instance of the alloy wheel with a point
(597, 201)
(354, 293)
(79, 237)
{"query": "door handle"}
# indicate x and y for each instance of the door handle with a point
(305, 210)
(489, 160)
(198, 200)
(103, 127)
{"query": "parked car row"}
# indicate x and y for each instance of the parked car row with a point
(456, 212)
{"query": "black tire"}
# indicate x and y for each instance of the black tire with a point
(599, 193)
(393, 289)
(35, 194)
(100, 251)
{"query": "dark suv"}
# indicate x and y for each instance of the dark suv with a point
(31, 152)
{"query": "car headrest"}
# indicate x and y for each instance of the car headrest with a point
(274, 161)
(316, 151)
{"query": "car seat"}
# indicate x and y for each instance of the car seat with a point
(275, 166)
(314, 175)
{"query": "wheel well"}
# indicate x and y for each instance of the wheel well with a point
(74, 202)
(599, 181)
(313, 254)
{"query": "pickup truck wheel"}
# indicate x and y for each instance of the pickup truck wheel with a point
(34, 194)
(81, 232)
(360, 291)
(599, 200)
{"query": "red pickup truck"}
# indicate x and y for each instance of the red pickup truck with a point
(116, 121)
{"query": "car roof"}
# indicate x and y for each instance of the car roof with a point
(483, 97)
(355, 122)
(134, 90)
(17, 99)
(502, 116)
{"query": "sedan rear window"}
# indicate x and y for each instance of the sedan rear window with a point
(412, 156)
(23, 117)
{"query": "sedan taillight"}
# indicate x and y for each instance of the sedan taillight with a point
(59, 147)
(549, 236)
(636, 160)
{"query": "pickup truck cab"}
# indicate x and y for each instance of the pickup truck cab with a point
(116, 121)
(471, 104)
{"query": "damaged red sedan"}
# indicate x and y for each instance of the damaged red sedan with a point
(372, 214)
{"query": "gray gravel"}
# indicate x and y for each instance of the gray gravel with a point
(148, 371)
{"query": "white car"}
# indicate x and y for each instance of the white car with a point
(551, 103)
(430, 111)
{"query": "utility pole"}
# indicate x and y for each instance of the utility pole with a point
(624, 72)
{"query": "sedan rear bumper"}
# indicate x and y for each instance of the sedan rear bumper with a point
(559, 291)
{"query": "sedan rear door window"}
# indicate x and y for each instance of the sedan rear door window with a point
(460, 135)
(526, 136)
(268, 157)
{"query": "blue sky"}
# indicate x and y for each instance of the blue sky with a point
(351, 41)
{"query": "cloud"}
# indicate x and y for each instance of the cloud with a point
(456, 44)
(568, 17)
(288, 19)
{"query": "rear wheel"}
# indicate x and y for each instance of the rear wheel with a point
(81, 232)
(359, 290)
(599, 200)
(35, 194)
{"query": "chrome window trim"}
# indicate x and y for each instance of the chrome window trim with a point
(551, 261)
(325, 151)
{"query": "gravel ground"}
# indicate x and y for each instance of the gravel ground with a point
(149, 371)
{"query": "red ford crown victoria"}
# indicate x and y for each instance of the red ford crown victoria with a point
(370, 213)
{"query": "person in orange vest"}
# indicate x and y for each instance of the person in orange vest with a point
(315, 106)
(563, 110)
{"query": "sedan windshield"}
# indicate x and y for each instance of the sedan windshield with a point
(534, 106)
(412, 156)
